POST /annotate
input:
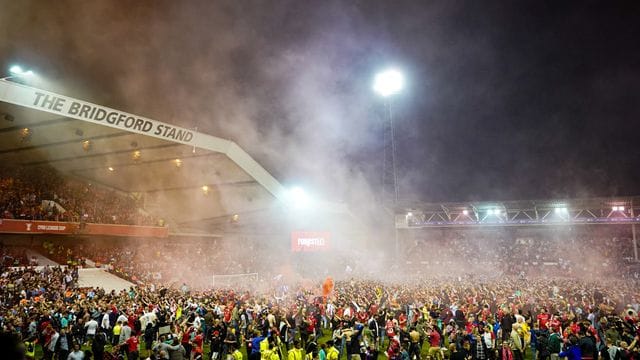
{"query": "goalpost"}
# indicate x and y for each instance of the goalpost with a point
(235, 280)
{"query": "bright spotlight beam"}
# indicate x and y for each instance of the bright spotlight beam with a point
(389, 82)
(298, 198)
(16, 70)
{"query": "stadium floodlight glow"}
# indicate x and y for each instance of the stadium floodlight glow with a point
(17, 71)
(388, 82)
(409, 214)
(465, 212)
(560, 210)
(298, 198)
(614, 208)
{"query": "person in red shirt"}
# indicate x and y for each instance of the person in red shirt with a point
(186, 339)
(131, 320)
(554, 324)
(542, 319)
(227, 313)
(362, 316)
(373, 310)
(390, 328)
(132, 347)
(402, 320)
(196, 352)
(434, 342)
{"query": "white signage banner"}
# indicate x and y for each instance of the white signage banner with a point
(77, 109)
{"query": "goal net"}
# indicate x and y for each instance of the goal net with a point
(235, 281)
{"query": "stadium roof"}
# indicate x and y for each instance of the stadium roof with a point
(185, 177)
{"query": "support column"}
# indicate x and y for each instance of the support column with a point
(633, 234)
(635, 242)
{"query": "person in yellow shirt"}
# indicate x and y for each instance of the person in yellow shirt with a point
(332, 352)
(236, 354)
(116, 333)
(296, 352)
(270, 354)
(274, 352)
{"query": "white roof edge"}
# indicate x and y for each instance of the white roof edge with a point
(34, 98)
(255, 170)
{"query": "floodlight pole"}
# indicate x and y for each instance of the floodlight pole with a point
(633, 235)
(389, 170)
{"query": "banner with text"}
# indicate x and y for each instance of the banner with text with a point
(77, 109)
(310, 241)
(66, 228)
(37, 227)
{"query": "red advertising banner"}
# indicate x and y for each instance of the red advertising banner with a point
(66, 228)
(36, 227)
(310, 241)
(124, 230)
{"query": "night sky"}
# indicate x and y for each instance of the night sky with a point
(505, 100)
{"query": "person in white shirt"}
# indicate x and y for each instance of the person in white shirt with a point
(122, 318)
(486, 337)
(76, 354)
(50, 347)
(105, 321)
(125, 333)
(91, 326)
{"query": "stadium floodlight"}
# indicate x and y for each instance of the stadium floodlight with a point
(388, 82)
(615, 208)
(298, 198)
(409, 214)
(465, 212)
(18, 71)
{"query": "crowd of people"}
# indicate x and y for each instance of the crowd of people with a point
(41, 193)
(553, 251)
(439, 317)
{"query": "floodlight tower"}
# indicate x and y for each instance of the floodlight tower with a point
(386, 84)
